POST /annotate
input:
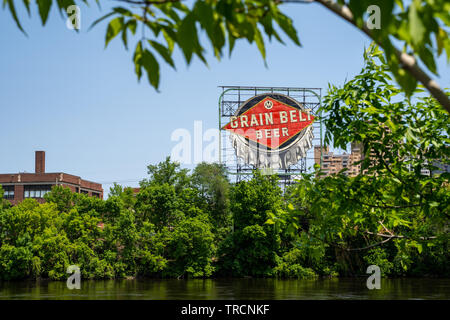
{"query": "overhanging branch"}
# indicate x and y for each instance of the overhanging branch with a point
(407, 61)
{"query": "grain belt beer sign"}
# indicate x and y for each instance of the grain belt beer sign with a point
(271, 131)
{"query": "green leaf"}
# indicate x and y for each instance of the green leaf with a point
(386, 8)
(205, 15)
(419, 247)
(101, 19)
(152, 67)
(123, 11)
(163, 52)
(27, 5)
(269, 30)
(218, 39)
(137, 60)
(44, 9)
(125, 37)
(12, 9)
(285, 24)
(170, 37)
(132, 25)
(260, 43)
(170, 12)
(113, 30)
(416, 27)
(187, 36)
(427, 57)
(64, 4)
(358, 8)
(434, 204)
(441, 37)
(231, 42)
(403, 78)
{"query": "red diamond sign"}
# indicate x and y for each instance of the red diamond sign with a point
(269, 121)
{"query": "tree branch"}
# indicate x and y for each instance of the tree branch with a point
(384, 206)
(393, 236)
(369, 246)
(148, 2)
(407, 61)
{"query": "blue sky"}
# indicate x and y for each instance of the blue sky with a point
(62, 92)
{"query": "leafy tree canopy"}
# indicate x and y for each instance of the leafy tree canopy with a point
(392, 199)
(420, 27)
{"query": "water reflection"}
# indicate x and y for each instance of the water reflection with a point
(229, 289)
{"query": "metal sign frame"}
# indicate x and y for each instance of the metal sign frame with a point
(231, 99)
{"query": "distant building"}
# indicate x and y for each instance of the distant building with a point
(440, 168)
(136, 190)
(19, 186)
(333, 163)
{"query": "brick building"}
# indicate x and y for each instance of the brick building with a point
(18, 186)
(333, 163)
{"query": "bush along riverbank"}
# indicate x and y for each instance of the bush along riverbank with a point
(197, 224)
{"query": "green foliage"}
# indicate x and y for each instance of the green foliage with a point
(253, 246)
(14, 262)
(61, 196)
(171, 24)
(3, 203)
(191, 248)
(290, 266)
(379, 257)
(212, 183)
(167, 172)
(160, 232)
(158, 204)
(32, 242)
(419, 26)
(200, 225)
(391, 202)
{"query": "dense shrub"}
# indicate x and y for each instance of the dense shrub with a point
(199, 225)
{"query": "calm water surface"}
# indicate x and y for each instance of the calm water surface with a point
(229, 289)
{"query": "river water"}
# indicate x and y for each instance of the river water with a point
(229, 289)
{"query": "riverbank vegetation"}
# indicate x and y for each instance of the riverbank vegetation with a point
(185, 224)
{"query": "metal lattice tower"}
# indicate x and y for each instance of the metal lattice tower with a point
(232, 97)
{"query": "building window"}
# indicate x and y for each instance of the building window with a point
(96, 194)
(84, 191)
(36, 191)
(8, 192)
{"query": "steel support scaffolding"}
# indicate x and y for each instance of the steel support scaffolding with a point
(232, 97)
